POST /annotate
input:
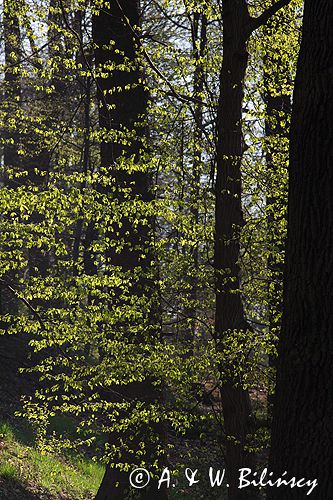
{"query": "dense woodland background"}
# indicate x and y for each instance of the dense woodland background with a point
(146, 165)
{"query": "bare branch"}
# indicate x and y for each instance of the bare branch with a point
(257, 22)
(34, 312)
(25, 302)
(174, 92)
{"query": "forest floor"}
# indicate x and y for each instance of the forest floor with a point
(29, 473)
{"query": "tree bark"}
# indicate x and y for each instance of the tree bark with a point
(230, 313)
(277, 124)
(230, 317)
(302, 420)
(124, 109)
(278, 107)
(11, 99)
(199, 44)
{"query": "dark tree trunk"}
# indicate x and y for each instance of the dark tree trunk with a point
(12, 87)
(230, 314)
(277, 124)
(13, 349)
(199, 44)
(303, 413)
(229, 219)
(124, 109)
(278, 109)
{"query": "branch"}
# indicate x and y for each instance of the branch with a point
(174, 92)
(25, 302)
(82, 49)
(257, 22)
(34, 312)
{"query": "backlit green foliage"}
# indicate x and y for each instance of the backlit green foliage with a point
(96, 323)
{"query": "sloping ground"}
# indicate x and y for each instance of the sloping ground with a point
(26, 473)
(10, 490)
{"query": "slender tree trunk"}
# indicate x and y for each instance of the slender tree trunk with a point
(12, 87)
(230, 315)
(199, 44)
(277, 121)
(12, 347)
(39, 158)
(228, 221)
(278, 107)
(302, 420)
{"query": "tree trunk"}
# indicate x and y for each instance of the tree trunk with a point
(228, 221)
(13, 348)
(276, 131)
(302, 419)
(124, 109)
(199, 45)
(277, 122)
(230, 315)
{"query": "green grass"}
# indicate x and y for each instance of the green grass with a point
(9, 472)
(76, 477)
(6, 431)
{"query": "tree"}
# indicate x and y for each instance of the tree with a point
(15, 350)
(10, 101)
(230, 318)
(122, 98)
(302, 418)
(279, 60)
(113, 224)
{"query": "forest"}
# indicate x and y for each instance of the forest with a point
(166, 239)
